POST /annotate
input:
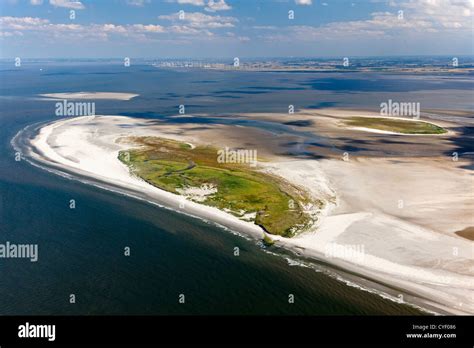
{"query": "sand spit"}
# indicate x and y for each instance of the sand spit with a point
(392, 220)
(90, 96)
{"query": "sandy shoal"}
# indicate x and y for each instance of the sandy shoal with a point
(90, 96)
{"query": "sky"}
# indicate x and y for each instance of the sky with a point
(234, 28)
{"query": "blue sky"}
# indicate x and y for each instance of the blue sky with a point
(234, 28)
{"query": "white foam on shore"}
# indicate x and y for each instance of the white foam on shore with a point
(396, 252)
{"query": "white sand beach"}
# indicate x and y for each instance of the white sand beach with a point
(390, 219)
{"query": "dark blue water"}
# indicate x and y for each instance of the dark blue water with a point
(81, 250)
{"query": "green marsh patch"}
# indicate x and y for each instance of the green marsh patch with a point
(271, 202)
(395, 125)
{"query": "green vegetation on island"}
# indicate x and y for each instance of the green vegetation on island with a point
(237, 188)
(267, 240)
(396, 125)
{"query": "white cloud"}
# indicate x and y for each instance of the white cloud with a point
(187, 30)
(76, 5)
(209, 5)
(421, 19)
(138, 3)
(201, 20)
(304, 2)
(265, 27)
(449, 14)
(43, 28)
(36, 2)
(21, 23)
(217, 5)
(4, 34)
(150, 28)
(424, 21)
(191, 2)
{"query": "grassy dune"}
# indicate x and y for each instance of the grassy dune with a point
(175, 166)
(396, 125)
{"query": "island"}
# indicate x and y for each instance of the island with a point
(272, 203)
(361, 200)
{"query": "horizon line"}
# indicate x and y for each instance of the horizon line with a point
(246, 57)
